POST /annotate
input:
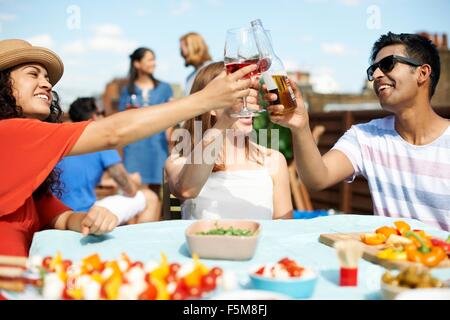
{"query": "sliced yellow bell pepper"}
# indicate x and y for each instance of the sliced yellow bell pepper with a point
(162, 271)
(112, 288)
(161, 289)
(393, 254)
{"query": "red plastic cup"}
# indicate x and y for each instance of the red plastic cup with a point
(349, 277)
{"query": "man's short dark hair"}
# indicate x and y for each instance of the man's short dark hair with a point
(82, 109)
(418, 48)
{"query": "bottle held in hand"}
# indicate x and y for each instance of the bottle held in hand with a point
(275, 75)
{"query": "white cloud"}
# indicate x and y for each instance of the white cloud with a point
(323, 81)
(141, 12)
(306, 39)
(316, 1)
(109, 37)
(291, 65)
(76, 48)
(343, 2)
(350, 2)
(112, 44)
(215, 3)
(335, 48)
(108, 30)
(42, 40)
(106, 37)
(7, 17)
(72, 62)
(183, 7)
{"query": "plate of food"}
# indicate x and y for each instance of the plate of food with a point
(398, 246)
(223, 239)
(286, 277)
(413, 278)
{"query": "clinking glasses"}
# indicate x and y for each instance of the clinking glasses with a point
(388, 63)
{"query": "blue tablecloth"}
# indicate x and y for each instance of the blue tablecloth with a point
(297, 239)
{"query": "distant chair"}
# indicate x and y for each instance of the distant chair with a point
(300, 194)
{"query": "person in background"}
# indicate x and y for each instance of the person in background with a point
(406, 156)
(111, 95)
(243, 180)
(33, 140)
(143, 90)
(81, 174)
(195, 52)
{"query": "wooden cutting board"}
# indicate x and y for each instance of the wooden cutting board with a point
(370, 252)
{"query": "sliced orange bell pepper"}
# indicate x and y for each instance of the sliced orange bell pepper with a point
(423, 243)
(435, 257)
(386, 231)
(402, 227)
(431, 259)
(413, 254)
(373, 239)
(92, 262)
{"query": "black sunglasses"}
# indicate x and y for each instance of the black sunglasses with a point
(388, 63)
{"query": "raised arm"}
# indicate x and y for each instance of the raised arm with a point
(126, 127)
(282, 202)
(316, 171)
(186, 178)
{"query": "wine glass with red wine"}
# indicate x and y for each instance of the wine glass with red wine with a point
(241, 51)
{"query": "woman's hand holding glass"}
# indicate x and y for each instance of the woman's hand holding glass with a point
(227, 91)
(252, 104)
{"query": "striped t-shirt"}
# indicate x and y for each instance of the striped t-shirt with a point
(405, 180)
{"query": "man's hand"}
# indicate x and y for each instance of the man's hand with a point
(98, 220)
(297, 120)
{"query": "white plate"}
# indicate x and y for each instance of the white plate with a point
(425, 294)
(250, 295)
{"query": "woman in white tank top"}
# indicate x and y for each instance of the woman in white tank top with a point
(220, 173)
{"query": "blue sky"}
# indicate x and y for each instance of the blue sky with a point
(331, 39)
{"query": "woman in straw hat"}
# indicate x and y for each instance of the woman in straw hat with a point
(33, 141)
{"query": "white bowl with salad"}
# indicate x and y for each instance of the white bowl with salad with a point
(223, 239)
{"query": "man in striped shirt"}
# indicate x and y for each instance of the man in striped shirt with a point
(405, 157)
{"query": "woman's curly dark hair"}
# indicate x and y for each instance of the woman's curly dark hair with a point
(9, 109)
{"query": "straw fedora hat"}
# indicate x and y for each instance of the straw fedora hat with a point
(14, 52)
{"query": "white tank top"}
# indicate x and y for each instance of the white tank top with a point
(244, 194)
